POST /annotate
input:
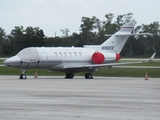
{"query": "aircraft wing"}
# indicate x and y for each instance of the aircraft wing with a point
(108, 64)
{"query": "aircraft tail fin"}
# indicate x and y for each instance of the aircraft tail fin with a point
(117, 41)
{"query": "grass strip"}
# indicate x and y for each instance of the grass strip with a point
(114, 72)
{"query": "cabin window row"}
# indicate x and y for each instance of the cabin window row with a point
(57, 54)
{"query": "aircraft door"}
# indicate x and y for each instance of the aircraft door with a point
(44, 57)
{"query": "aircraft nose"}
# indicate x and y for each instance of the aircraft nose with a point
(12, 61)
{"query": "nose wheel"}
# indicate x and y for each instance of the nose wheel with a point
(23, 75)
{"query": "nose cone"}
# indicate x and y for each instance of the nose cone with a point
(13, 61)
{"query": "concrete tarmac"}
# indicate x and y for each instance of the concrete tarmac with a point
(101, 98)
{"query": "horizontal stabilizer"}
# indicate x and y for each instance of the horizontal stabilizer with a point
(139, 34)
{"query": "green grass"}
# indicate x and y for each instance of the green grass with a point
(4, 70)
(1, 62)
(129, 72)
(153, 63)
(115, 72)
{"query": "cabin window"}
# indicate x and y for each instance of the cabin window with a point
(70, 54)
(65, 54)
(55, 54)
(75, 54)
(80, 54)
(60, 54)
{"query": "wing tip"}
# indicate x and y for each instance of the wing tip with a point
(152, 57)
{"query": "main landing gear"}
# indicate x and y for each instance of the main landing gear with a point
(23, 75)
(88, 76)
(71, 75)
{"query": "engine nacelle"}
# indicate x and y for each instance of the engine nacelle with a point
(98, 58)
(118, 56)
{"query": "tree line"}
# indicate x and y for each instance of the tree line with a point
(92, 31)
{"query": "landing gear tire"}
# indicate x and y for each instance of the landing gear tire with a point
(88, 76)
(69, 75)
(23, 76)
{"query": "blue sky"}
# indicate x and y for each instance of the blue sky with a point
(53, 15)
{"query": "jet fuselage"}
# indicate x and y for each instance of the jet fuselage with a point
(56, 58)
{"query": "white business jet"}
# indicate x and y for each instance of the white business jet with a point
(71, 60)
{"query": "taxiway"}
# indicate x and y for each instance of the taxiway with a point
(56, 98)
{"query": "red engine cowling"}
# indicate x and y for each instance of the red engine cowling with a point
(118, 56)
(98, 58)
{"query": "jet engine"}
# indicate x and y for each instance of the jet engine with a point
(118, 56)
(98, 58)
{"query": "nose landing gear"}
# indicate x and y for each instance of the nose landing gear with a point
(23, 75)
